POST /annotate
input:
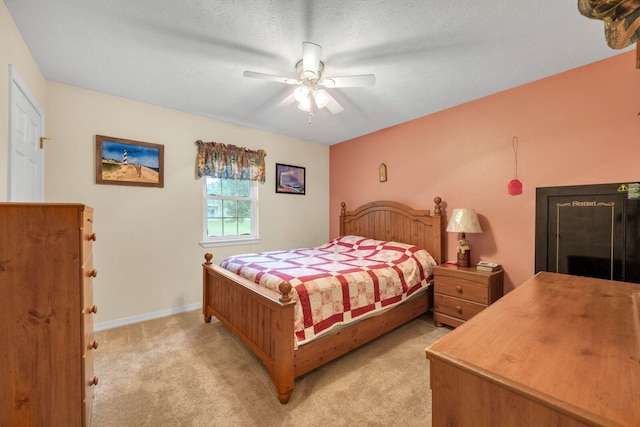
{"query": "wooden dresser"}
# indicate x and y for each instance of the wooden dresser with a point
(462, 292)
(46, 314)
(559, 350)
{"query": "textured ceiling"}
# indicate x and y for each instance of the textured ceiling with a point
(189, 55)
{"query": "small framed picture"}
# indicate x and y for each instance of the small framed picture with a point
(126, 162)
(290, 179)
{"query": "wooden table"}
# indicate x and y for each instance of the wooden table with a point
(558, 350)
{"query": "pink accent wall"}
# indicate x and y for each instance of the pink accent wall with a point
(577, 127)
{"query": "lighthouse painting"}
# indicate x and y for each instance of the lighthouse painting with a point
(126, 162)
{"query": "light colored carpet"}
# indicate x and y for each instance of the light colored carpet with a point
(180, 371)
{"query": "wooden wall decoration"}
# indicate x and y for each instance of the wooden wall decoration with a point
(382, 172)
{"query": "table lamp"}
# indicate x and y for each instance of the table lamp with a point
(464, 221)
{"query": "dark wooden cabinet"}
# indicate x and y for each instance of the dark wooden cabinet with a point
(589, 230)
(46, 314)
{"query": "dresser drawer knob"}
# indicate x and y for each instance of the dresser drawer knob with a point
(93, 309)
(459, 289)
(458, 309)
(92, 236)
(93, 345)
(93, 273)
(94, 381)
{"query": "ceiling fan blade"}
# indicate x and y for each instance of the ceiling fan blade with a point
(333, 105)
(287, 101)
(350, 81)
(279, 79)
(311, 59)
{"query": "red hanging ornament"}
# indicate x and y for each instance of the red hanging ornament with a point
(515, 186)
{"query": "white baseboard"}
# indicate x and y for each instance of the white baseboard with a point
(141, 318)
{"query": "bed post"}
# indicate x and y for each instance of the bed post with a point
(437, 237)
(342, 213)
(437, 209)
(207, 316)
(283, 373)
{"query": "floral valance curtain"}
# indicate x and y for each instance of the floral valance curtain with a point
(230, 162)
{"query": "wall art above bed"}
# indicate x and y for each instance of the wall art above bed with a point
(290, 179)
(126, 162)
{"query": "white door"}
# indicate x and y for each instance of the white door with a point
(26, 158)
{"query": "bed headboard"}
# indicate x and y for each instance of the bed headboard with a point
(384, 220)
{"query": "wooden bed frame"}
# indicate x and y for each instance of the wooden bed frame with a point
(263, 319)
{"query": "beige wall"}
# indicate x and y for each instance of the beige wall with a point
(147, 252)
(13, 51)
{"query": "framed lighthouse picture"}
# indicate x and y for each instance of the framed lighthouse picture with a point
(126, 162)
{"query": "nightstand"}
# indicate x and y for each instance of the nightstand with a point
(462, 292)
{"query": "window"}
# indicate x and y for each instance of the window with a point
(231, 208)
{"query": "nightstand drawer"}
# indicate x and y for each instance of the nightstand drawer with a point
(456, 307)
(462, 288)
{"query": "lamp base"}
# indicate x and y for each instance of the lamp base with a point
(464, 258)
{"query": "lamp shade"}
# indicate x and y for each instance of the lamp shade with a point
(464, 221)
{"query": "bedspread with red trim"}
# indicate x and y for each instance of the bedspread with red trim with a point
(340, 281)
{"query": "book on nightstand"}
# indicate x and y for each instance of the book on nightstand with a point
(488, 266)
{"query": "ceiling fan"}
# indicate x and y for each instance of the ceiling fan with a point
(310, 92)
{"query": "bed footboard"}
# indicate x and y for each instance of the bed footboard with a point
(260, 318)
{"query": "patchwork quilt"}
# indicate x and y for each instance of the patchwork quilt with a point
(340, 281)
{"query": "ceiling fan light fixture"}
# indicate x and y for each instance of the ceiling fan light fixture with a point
(305, 105)
(321, 98)
(301, 94)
